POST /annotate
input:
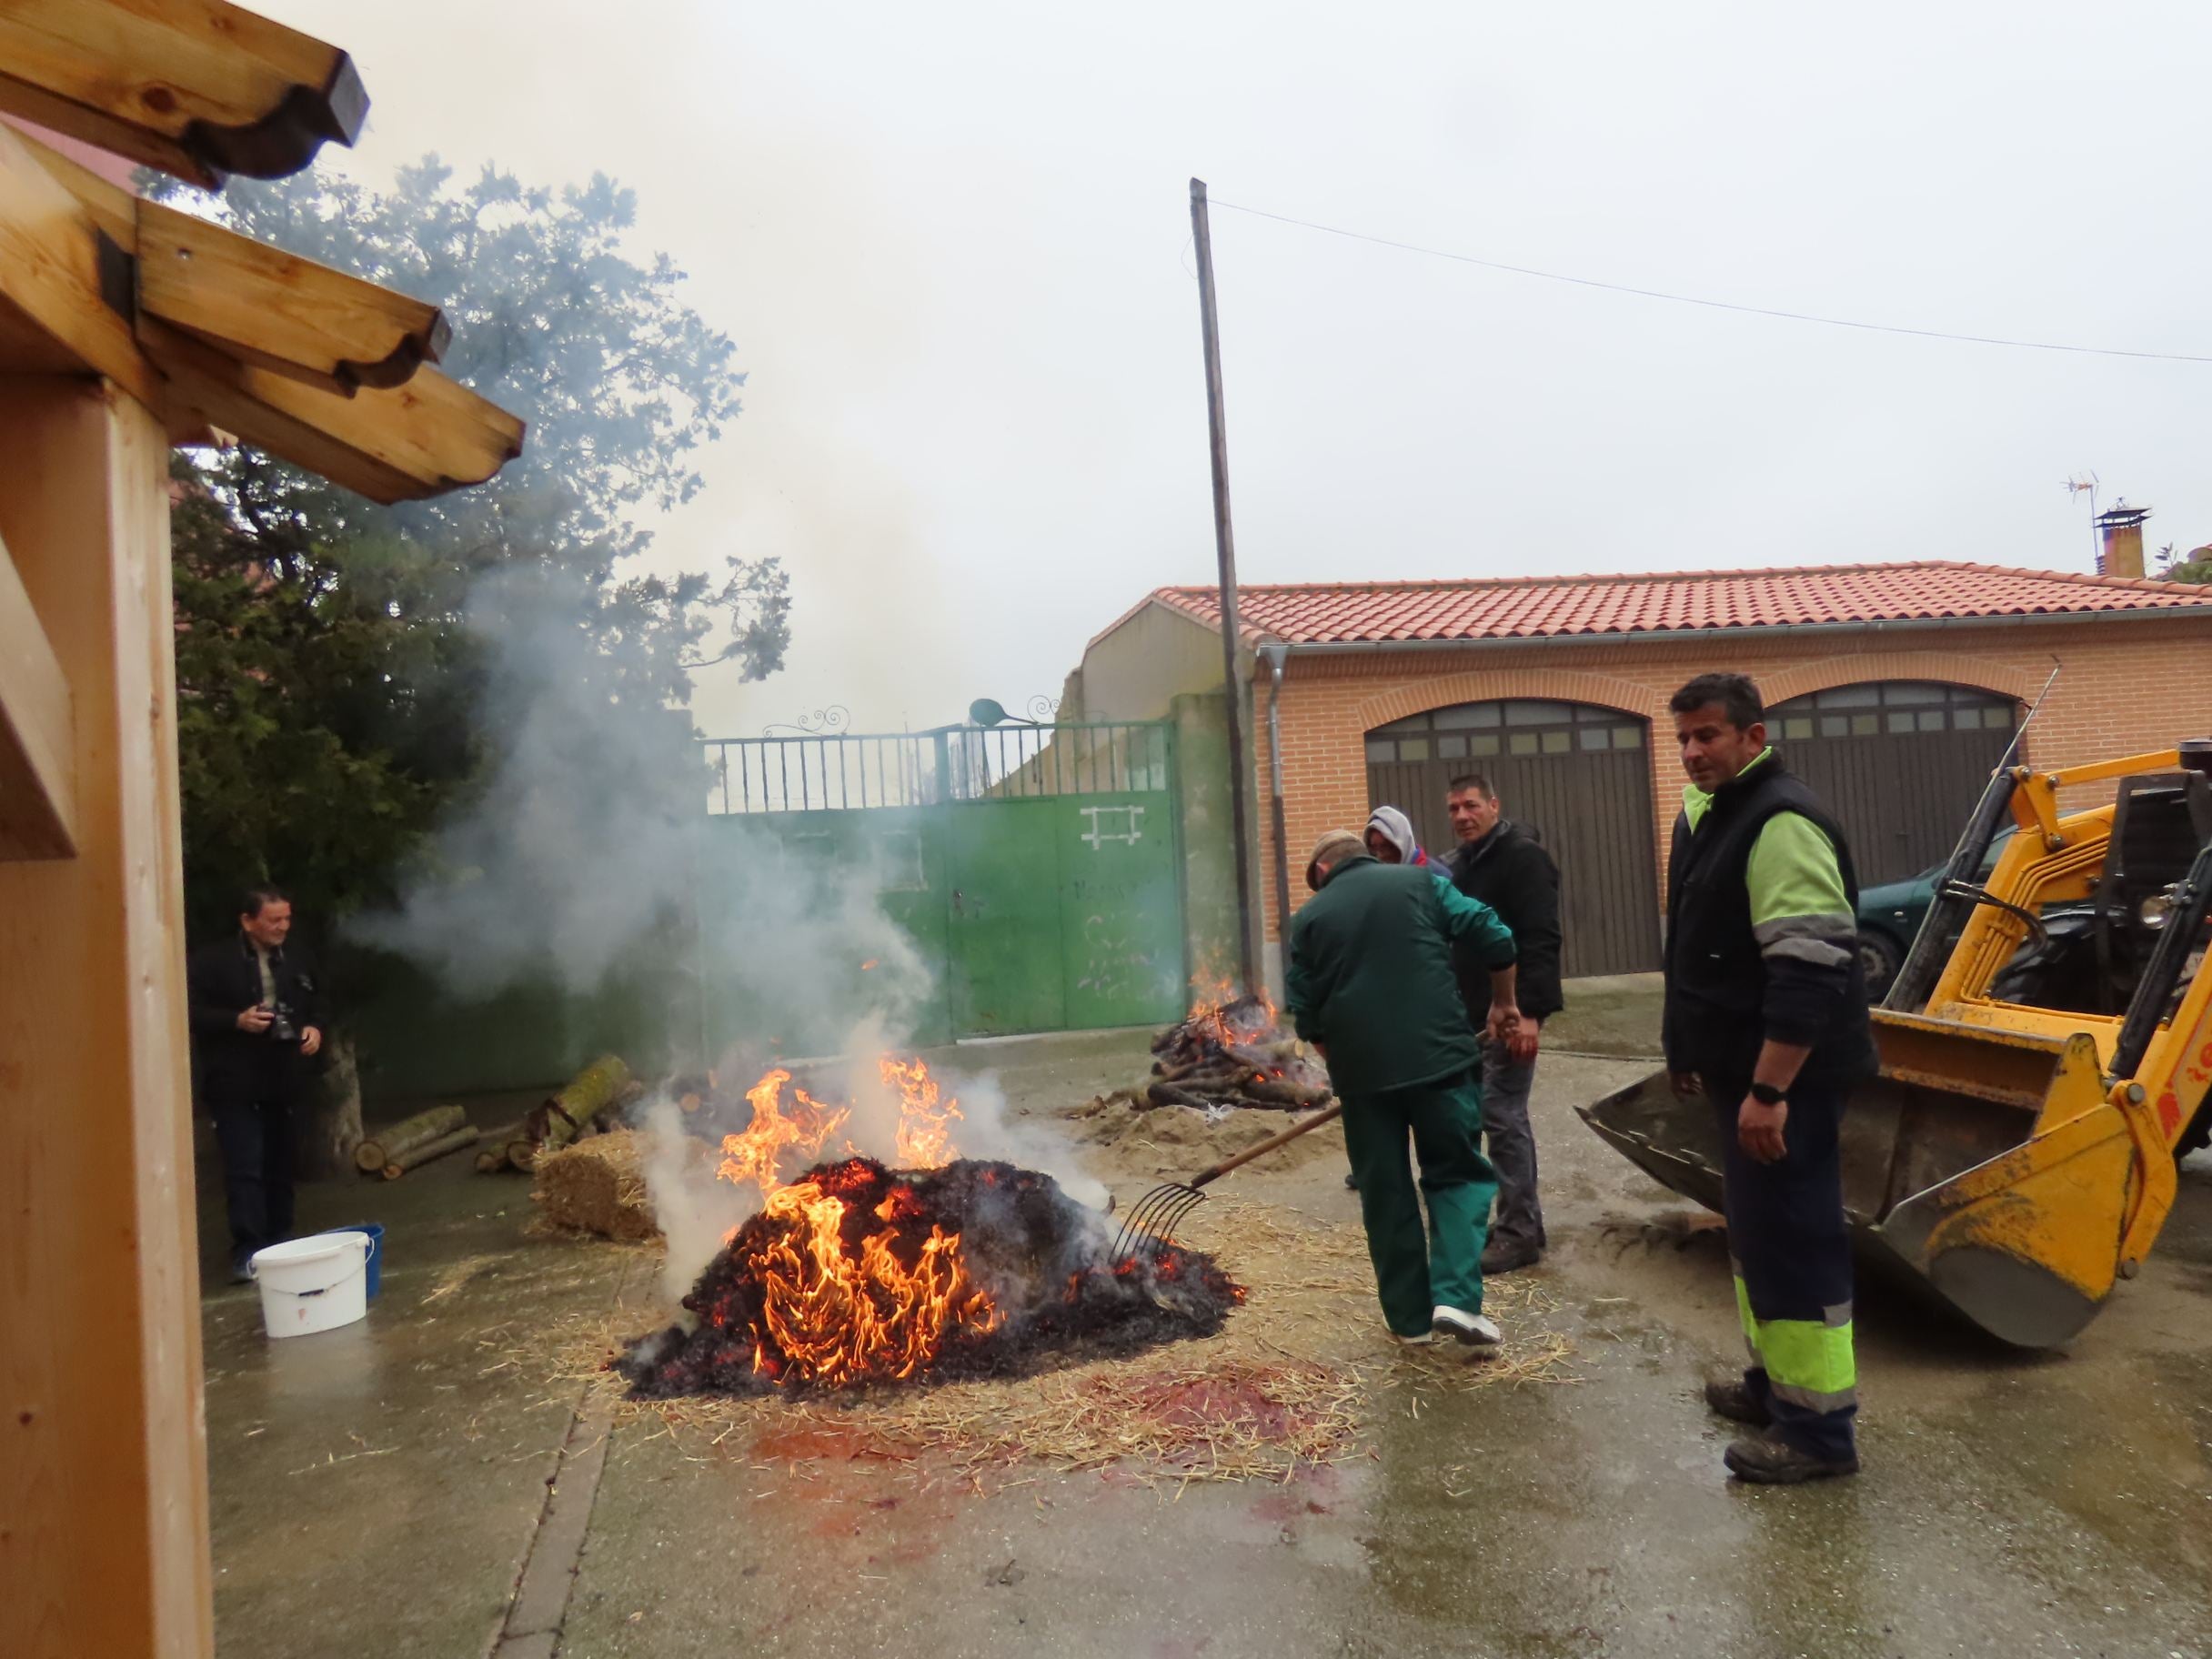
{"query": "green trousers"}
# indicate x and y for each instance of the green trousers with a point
(1413, 1274)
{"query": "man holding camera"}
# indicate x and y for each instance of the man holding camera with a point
(257, 1023)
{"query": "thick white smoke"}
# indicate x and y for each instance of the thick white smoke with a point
(588, 859)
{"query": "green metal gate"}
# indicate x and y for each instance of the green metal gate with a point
(1035, 869)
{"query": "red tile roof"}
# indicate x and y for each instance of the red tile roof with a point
(1563, 607)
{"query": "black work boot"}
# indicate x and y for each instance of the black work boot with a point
(1733, 1399)
(1767, 1461)
(1508, 1256)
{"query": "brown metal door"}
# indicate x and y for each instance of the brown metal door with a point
(1578, 776)
(1900, 763)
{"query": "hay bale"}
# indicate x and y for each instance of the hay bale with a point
(597, 1186)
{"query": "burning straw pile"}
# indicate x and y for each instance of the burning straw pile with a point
(855, 1274)
(1293, 1379)
(1230, 1050)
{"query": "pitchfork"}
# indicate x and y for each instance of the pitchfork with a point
(1152, 1222)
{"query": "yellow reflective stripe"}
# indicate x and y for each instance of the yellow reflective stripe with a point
(1809, 1361)
(1743, 1312)
(1808, 1354)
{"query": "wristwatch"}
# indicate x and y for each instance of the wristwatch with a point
(1766, 1094)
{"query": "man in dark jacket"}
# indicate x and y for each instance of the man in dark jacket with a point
(1370, 985)
(1501, 865)
(256, 1023)
(1766, 1018)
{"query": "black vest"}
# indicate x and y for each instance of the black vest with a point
(1716, 973)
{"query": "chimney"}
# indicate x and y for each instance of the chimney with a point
(2120, 530)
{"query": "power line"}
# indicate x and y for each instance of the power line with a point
(1714, 305)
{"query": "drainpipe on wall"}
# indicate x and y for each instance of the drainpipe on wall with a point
(1277, 654)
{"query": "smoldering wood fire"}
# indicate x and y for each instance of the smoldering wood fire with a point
(856, 1274)
(1231, 1050)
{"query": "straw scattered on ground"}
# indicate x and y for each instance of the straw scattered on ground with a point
(1297, 1373)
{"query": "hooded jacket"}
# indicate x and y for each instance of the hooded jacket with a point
(1398, 830)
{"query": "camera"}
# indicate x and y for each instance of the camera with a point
(281, 1028)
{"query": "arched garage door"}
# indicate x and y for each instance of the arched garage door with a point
(1577, 774)
(1900, 762)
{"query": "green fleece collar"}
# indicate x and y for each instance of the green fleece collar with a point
(1697, 802)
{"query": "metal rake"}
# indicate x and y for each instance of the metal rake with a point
(1150, 1223)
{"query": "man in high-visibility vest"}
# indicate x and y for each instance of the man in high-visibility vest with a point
(1766, 1017)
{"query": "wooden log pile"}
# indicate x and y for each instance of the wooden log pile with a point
(414, 1142)
(582, 1107)
(1232, 1053)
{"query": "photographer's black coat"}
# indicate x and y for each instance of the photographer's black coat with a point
(222, 980)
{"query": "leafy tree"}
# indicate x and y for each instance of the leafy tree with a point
(331, 692)
(2195, 566)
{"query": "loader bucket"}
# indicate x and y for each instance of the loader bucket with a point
(1984, 1165)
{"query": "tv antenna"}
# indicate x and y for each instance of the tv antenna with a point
(2076, 486)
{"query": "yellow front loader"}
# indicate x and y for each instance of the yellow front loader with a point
(2046, 1055)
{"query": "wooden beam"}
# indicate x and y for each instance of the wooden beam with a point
(113, 209)
(421, 439)
(194, 87)
(277, 311)
(104, 1483)
(38, 761)
(65, 303)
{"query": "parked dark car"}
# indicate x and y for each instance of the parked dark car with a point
(1890, 917)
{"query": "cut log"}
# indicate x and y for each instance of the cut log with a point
(1171, 1094)
(1281, 1091)
(603, 1084)
(421, 1130)
(429, 1150)
(494, 1158)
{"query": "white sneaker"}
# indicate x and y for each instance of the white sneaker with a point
(1468, 1330)
(1422, 1341)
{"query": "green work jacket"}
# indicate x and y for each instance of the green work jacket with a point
(1370, 974)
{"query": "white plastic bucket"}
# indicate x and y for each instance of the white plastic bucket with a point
(313, 1285)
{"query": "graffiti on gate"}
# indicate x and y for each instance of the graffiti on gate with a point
(1125, 824)
(1114, 965)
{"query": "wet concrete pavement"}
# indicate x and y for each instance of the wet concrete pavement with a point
(377, 1491)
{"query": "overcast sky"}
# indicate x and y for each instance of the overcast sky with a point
(952, 243)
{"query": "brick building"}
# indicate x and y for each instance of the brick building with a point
(1894, 688)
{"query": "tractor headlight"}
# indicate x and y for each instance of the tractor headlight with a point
(2153, 911)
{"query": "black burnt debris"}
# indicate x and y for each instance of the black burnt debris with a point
(856, 1275)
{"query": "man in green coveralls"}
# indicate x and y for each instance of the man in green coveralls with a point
(1371, 986)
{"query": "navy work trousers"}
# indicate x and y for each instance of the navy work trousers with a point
(1792, 1257)
(260, 1145)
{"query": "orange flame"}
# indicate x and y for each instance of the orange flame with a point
(923, 1141)
(1211, 998)
(837, 1320)
(925, 1119)
(755, 1154)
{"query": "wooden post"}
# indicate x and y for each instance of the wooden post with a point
(103, 1447)
(1225, 550)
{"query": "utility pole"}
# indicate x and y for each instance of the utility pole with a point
(1224, 546)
